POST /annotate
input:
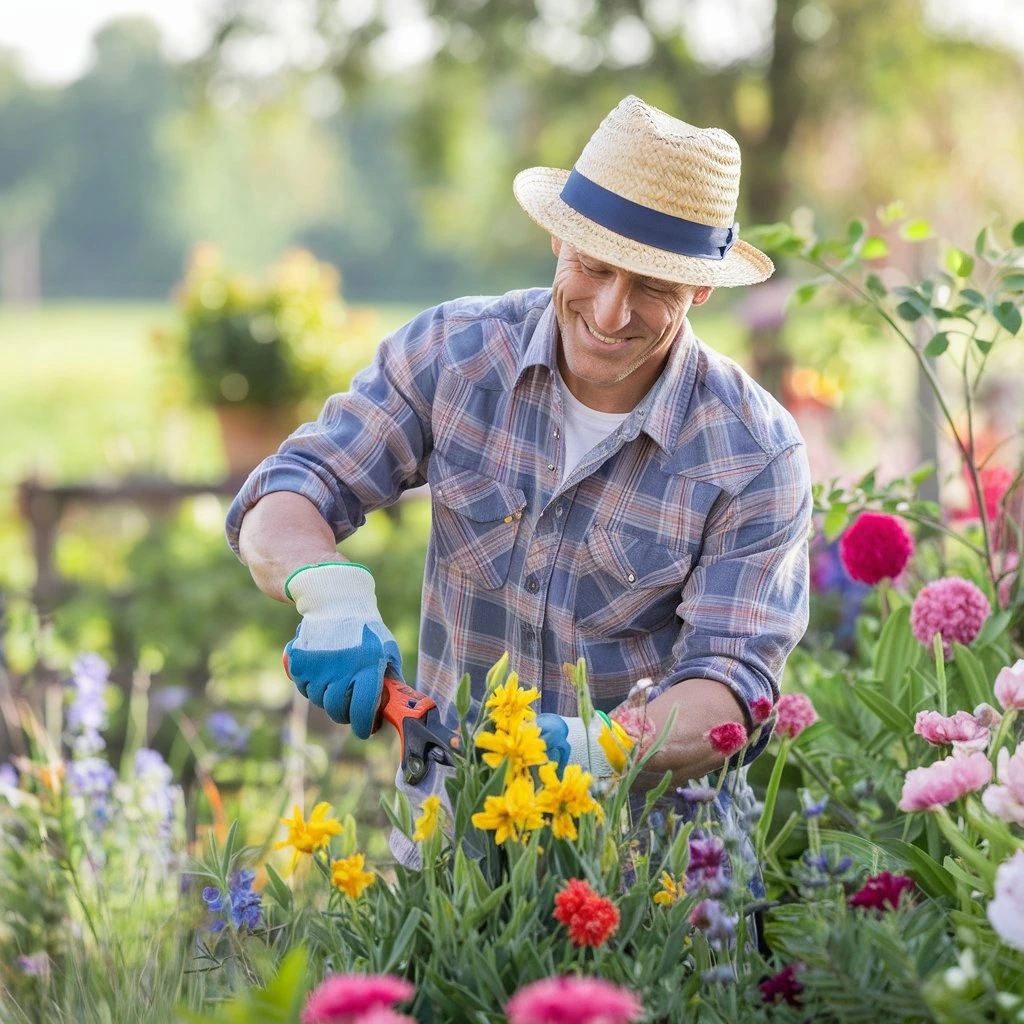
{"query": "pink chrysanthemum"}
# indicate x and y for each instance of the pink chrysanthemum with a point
(952, 607)
(877, 546)
(572, 1000)
(795, 713)
(342, 998)
(727, 738)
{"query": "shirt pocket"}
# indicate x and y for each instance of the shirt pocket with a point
(475, 521)
(628, 585)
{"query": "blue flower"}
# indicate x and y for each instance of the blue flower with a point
(92, 779)
(226, 732)
(87, 713)
(241, 905)
(813, 808)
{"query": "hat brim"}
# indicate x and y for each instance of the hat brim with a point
(537, 191)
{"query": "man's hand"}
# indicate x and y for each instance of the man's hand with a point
(601, 750)
(341, 648)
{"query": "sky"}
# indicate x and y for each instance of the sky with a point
(53, 37)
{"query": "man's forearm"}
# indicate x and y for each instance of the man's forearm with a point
(282, 532)
(700, 705)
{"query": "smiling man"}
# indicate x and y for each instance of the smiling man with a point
(604, 485)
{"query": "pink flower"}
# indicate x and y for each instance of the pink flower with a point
(940, 783)
(1006, 910)
(987, 716)
(1006, 800)
(573, 1000)
(880, 890)
(952, 607)
(795, 713)
(760, 709)
(1010, 686)
(1011, 562)
(383, 1015)
(963, 730)
(875, 547)
(727, 738)
(347, 998)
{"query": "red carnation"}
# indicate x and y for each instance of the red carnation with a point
(727, 738)
(590, 918)
(783, 985)
(880, 890)
(876, 546)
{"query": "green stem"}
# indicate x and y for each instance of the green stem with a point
(771, 795)
(940, 670)
(980, 863)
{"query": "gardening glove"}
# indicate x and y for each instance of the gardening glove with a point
(341, 648)
(601, 750)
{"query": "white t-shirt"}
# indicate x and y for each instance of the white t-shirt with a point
(584, 428)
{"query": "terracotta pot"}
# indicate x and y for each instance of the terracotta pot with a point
(251, 433)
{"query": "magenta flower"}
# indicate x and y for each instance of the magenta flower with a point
(348, 998)
(876, 547)
(795, 713)
(1010, 686)
(952, 607)
(783, 986)
(963, 730)
(940, 783)
(760, 709)
(573, 1000)
(880, 890)
(727, 738)
(1006, 800)
(1006, 910)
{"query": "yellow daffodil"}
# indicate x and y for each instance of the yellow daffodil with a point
(426, 823)
(616, 744)
(509, 705)
(671, 890)
(523, 748)
(566, 798)
(307, 836)
(512, 814)
(348, 875)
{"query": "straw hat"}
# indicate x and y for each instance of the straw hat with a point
(653, 195)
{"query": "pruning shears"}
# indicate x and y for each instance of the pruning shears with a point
(424, 737)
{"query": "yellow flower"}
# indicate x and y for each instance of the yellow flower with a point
(307, 836)
(523, 748)
(426, 823)
(513, 813)
(616, 744)
(348, 875)
(566, 798)
(671, 890)
(509, 705)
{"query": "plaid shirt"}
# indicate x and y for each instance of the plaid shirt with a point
(676, 549)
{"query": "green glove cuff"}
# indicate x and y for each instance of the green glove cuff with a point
(318, 565)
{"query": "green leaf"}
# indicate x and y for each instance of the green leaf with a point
(875, 286)
(278, 888)
(403, 940)
(1013, 282)
(1017, 234)
(922, 473)
(874, 248)
(1008, 315)
(973, 882)
(804, 294)
(975, 298)
(984, 346)
(972, 674)
(959, 262)
(856, 229)
(931, 876)
(938, 345)
(905, 311)
(892, 212)
(980, 242)
(835, 522)
(897, 650)
(916, 230)
(894, 717)
(769, 236)
(993, 627)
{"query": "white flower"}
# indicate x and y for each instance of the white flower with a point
(1006, 800)
(1006, 909)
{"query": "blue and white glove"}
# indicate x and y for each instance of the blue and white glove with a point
(341, 648)
(601, 750)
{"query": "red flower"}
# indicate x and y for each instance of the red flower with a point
(590, 918)
(784, 985)
(880, 890)
(727, 738)
(875, 547)
(796, 712)
(760, 709)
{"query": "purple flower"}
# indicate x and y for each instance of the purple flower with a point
(696, 794)
(156, 794)
(87, 713)
(718, 927)
(813, 808)
(226, 732)
(35, 964)
(241, 904)
(92, 779)
(169, 698)
(707, 864)
(90, 667)
(8, 776)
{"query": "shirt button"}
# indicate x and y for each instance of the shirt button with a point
(554, 433)
(532, 585)
(558, 512)
(631, 578)
(551, 466)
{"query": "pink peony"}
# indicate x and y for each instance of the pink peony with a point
(952, 607)
(1006, 910)
(573, 1000)
(877, 546)
(727, 738)
(1006, 800)
(347, 998)
(940, 783)
(963, 730)
(1010, 686)
(795, 713)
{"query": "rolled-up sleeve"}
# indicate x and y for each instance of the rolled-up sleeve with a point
(368, 445)
(745, 605)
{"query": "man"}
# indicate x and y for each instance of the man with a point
(603, 484)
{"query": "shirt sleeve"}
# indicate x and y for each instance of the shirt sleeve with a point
(745, 605)
(369, 443)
